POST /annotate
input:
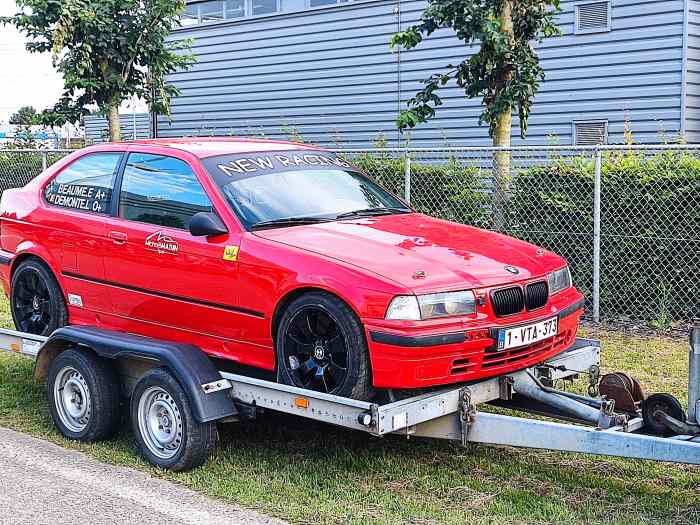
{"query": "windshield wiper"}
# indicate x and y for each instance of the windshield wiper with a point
(370, 212)
(287, 221)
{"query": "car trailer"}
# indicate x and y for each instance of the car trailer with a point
(615, 419)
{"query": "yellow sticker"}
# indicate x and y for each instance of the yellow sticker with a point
(230, 253)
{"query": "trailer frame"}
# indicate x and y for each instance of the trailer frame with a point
(452, 413)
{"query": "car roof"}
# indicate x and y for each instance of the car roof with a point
(204, 147)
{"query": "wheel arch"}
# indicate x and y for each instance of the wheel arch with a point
(190, 365)
(28, 249)
(291, 295)
(29, 254)
(25, 256)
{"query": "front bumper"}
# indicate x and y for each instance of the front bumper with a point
(416, 358)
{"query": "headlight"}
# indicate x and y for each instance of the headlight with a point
(416, 308)
(559, 280)
(404, 308)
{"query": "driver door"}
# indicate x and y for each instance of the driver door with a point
(164, 281)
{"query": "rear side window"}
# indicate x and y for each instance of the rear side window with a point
(86, 184)
(161, 190)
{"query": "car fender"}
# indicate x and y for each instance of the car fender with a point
(26, 248)
(188, 363)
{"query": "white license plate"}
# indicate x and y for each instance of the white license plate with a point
(528, 334)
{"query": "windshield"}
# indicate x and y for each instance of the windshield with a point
(287, 188)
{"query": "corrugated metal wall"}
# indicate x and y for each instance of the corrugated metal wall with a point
(96, 129)
(692, 104)
(328, 75)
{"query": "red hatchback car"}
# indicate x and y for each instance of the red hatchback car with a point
(278, 256)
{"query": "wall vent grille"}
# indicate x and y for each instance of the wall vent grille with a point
(590, 133)
(593, 17)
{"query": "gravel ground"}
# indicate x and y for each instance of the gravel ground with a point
(42, 483)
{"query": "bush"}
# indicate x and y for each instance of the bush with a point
(447, 190)
(650, 246)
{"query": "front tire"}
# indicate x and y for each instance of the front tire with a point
(321, 346)
(36, 299)
(166, 433)
(83, 392)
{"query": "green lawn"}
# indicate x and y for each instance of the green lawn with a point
(311, 473)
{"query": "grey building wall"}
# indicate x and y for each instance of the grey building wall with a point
(692, 84)
(96, 129)
(328, 74)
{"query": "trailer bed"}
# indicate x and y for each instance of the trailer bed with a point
(452, 413)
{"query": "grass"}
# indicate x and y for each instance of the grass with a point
(311, 473)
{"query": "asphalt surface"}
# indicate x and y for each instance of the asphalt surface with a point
(41, 483)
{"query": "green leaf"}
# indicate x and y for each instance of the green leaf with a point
(106, 50)
(504, 72)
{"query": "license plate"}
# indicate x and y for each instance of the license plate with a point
(528, 334)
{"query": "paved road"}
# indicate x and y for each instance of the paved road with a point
(41, 483)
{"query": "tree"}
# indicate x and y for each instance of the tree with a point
(107, 51)
(24, 116)
(504, 71)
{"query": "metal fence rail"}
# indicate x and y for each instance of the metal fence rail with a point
(626, 217)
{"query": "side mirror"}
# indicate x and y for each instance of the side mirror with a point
(204, 224)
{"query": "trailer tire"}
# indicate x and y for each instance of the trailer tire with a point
(83, 391)
(165, 431)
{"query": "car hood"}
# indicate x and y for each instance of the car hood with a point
(422, 253)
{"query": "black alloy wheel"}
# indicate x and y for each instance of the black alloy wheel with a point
(37, 301)
(315, 350)
(321, 346)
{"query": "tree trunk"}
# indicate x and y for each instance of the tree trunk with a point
(115, 132)
(502, 135)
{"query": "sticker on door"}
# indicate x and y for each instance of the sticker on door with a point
(161, 243)
(230, 253)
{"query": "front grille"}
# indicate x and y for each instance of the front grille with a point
(508, 301)
(536, 295)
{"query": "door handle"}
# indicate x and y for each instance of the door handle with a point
(117, 237)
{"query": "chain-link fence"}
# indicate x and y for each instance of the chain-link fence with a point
(19, 166)
(627, 218)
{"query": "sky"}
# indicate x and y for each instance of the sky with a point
(26, 79)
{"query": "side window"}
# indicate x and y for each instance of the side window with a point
(161, 190)
(86, 184)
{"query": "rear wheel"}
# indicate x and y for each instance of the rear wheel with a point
(165, 430)
(36, 299)
(83, 396)
(321, 346)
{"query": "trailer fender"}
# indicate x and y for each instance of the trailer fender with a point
(188, 363)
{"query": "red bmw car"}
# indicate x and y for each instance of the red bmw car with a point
(278, 256)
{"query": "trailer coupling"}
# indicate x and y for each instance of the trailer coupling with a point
(599, 427)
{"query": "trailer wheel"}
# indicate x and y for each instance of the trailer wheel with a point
(166, 433)
(666, 404)
(83, 394)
